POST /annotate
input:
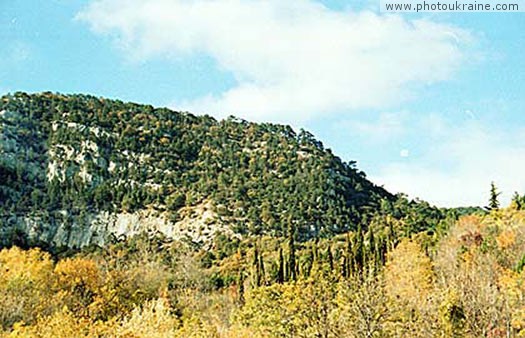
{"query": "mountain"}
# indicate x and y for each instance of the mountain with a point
(77, 170)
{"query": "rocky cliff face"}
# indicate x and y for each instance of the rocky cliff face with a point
(63, 230)
(78, 170)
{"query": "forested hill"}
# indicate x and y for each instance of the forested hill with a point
(69, 164)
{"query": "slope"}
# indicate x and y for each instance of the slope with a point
(78, 170)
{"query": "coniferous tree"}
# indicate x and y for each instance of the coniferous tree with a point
(315, 250)
(493, 200)
(280, 271)
(240, 283)
(380, 251)
(307, 267)
(330, 259)
(314, 254)
(261, 270)
(286, 274)
(391, 235)
(371, 245)
(518, 201)
(256, 267)
(358, 249)
(344, 266)
(348, 256)
(292, 275)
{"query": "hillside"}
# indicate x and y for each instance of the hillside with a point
(78, 170)
(467, 282)
(242, 230)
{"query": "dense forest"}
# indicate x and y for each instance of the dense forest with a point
(467, 281)
(65, 158)
(306, 247)
(81, 153)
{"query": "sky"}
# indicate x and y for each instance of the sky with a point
(430, 104)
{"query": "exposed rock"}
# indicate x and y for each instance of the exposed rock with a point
(199, 225)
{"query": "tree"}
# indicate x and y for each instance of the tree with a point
(330, 258)
(280, 272)
(240, 277)
(408, 284)
(256, 265)
(494, 194)
(291, 252)
(26, 280)
(358, 249)
(518, 201)
(408, 274)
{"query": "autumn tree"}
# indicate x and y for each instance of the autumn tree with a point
(408, 285)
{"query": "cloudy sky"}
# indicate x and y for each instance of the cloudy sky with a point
(432, 105)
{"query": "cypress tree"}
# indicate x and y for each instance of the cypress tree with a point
(292, 268)
(286, 274)
(256, 267)
(240, 278)
(371, 244)
(330, 259)
(261, 271)
(348, 255)
(380, 252)
(314, 249)
(309, 263)
(358, 249)
(344, 268)
(391, 235)
(280, 271)
(314, 269)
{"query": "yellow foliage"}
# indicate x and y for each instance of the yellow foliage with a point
(26, 278)
(470, 222)
(518, 321)
(408, 273)
(21, 267)
(451, 315)
(78, 283)
(240, 332)
(195, 327)
(506, 239)
(78, 272)
(472, 285)
(63, 324)
(476, 262)
(281, 309)
(509, 284)
(152, 320)
(315, 308)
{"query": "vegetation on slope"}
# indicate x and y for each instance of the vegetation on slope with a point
(468, 282)
(323, 251)
(85, 154)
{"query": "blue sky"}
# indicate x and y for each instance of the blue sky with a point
(431, 105)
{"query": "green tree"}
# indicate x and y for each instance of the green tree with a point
(493, 200)
(518, 201)
(292, 275)
(280, 271)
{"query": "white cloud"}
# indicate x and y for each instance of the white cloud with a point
(293, 60)
(404, 153)
(384, 128)
(458, 166)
